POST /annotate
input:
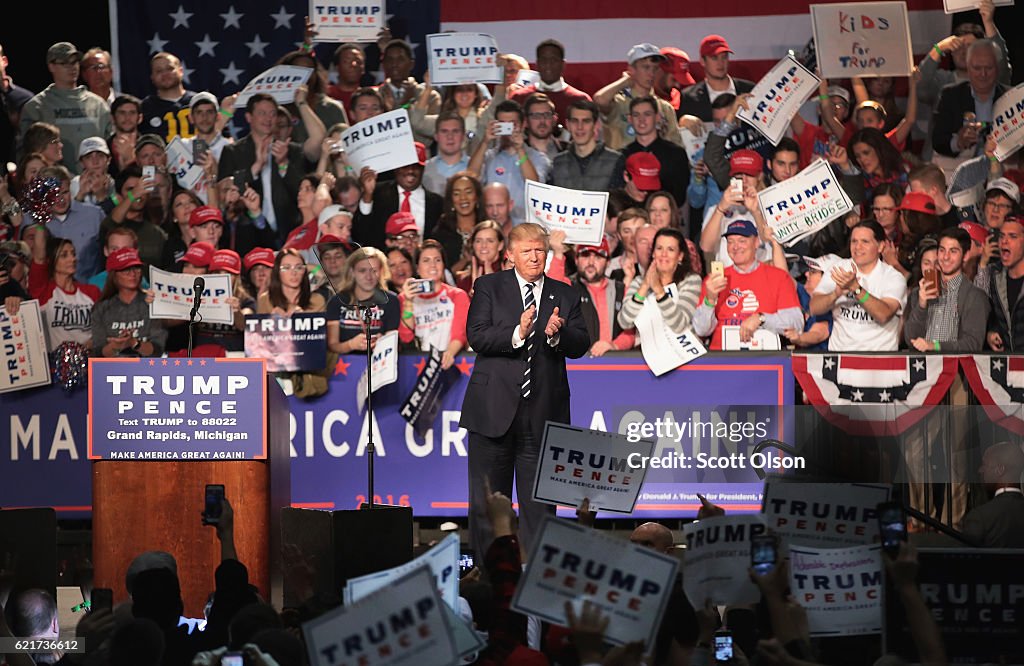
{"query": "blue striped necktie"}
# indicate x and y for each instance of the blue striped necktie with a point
(528, 301)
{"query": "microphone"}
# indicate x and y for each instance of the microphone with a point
(197, 291)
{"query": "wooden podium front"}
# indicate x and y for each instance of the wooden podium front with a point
(141, 505)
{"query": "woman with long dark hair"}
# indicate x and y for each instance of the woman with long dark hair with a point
(487, 248)
(434, 313)
(66, 304)
(669, 282)
(875, 157)
(463, 210)
(289, 291)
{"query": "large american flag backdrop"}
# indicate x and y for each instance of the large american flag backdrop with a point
(224, 43)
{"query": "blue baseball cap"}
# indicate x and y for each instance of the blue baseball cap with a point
(741, 227)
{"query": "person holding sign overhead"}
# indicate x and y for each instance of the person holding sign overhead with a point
(522, 326)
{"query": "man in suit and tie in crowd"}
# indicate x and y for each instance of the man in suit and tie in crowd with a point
(522, 326)
(404, 194)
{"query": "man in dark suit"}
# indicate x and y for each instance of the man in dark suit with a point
(999, 523)
(954, 133)
(403, 194)
(258, 160)
(522, 326)
(714, 55)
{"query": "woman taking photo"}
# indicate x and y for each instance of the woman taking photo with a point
(463, 210)
(487, 247)
(434, 313)
(669, 283)
(120, 321)
(363, 285)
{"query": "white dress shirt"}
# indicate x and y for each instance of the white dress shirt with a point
(538, 289)
(417, 204)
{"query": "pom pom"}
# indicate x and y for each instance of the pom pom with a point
(40, 197)
(70, 365)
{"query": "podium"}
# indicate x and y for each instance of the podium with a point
(154, 501)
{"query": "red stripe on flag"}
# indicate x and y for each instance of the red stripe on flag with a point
(873, 362)
(1016, 364)
(473, 10)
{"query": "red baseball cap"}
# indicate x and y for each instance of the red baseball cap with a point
(226, 260)
(978, 233)
(645, 170)
(712, 45)
(331, 238)
(603, 249)
(199, 254)
(399, 223)
(204, 214)
(920, 202)
(122, 258)
(677, 63)
(746, 161)
(258, 256)
(421, 154)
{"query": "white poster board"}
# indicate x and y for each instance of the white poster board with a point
(403, 623)
(463, 57)
(383, 143)
(694, 144)
(579, 213)
(23, 359)
(442, 560)
(603, 467)
(778, 96)
(954, 6)
(825, 515)
(173, 297)
(862, 39)
(761, 341)
(180, 162)
(840, 588)
(629, 582)
(663, 349)
(717, 559)
(346, 20)
(280, 82)
(1008, 123)
(527, 77)
(805, 203)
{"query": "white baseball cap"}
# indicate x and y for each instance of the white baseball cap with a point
(641, 51)
(92, 145)
(1006, 186)
(199, 98)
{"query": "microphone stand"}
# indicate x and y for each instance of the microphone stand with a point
(191, 323)
(366, 311)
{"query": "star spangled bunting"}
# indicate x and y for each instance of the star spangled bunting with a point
(224, 43)
(870, 394)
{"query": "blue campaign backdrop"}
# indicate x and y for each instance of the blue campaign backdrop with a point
(742, 395)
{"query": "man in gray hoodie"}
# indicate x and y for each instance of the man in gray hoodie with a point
(77, 112)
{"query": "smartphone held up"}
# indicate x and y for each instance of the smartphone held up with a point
(213, 504)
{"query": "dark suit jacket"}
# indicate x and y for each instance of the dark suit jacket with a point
(948, 117)
(998, 523)
(369, 229)
(237, 160)
(696, 101)
(493, 394)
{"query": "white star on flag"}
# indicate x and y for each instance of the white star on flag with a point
(884, 396)
(181, 17)
(186, 73)
(231, 18)
(282, 19)
(997, 364)
(231, 73)
(919, 364)
(156, 44)
(257, 47)
(829, 363)
(858, 395)
(206, 46)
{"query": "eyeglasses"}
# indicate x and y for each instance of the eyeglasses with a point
(299, 268)
(999, 206)
(54, 142)
(882, 209)
(98, 67)
(409, 235)
(537, 115)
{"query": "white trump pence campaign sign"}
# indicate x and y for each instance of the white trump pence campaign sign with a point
(280, 82)
(383, 143)
(463, 57)
(840, 588)
(580, 214)
(23, 348)
(826, 515)
(717, 559)
(665, 350)
(402, 623)
(569, 562)
(383, 366)
(577, 464)
(1008, 123)
(174, 296)
(777, 97)
(862, 39)
(803, 204)
(442, 560)
(346, 20)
